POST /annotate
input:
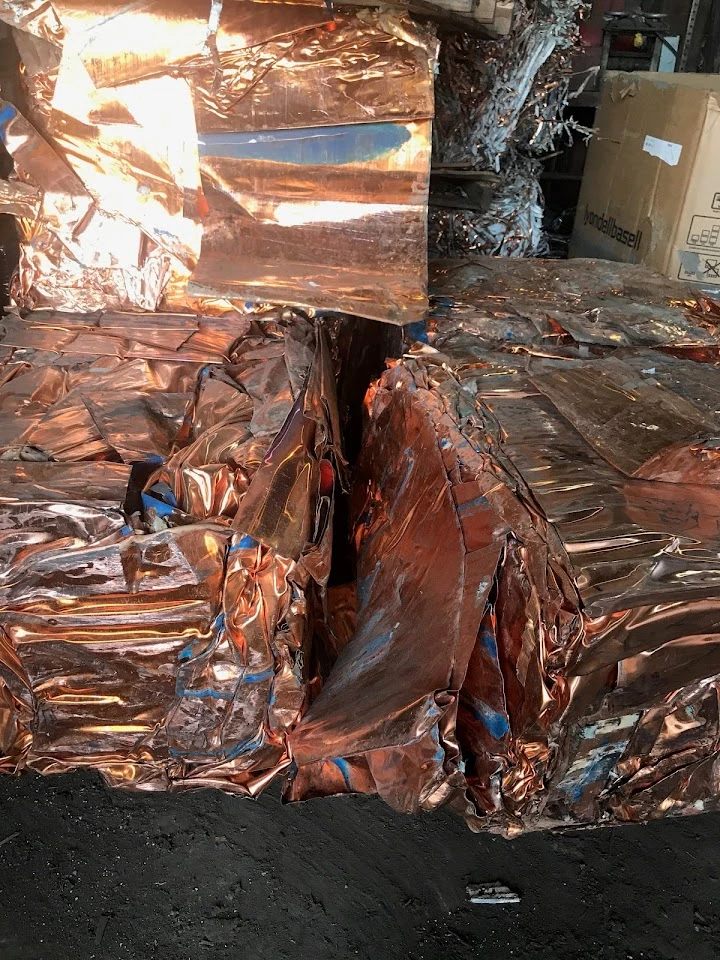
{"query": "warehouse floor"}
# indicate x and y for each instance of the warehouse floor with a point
(86, 872)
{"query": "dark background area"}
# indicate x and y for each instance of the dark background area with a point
(9, 90)
(91, 873)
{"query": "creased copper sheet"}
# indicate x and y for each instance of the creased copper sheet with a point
(178, 155)
(542, 304)
(538, 537)
(120, 41)
(166, 499)
(370, 67)
(290, 198)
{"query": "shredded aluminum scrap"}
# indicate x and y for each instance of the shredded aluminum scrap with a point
(538, 623)
(179, 155)
(490, 93)
(166, 498)
(512, 226)
(500, 106)
(491, 893)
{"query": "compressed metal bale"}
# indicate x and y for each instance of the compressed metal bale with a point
(166, 501)
(243, 151)
(538, 594)
(500, 106)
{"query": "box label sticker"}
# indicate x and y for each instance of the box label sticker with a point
(663, 149)
(704, 233)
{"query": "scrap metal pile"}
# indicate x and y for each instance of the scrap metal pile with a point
(167, 478)
(500, 107)
(534, 638)
(538, 533)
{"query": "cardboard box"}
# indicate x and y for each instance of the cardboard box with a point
(651, 189)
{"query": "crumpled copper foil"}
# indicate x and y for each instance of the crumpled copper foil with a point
(538, 622)
(189, 156)
(370, 67)
(166, 500)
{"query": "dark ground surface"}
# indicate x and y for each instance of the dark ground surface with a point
(94, 873)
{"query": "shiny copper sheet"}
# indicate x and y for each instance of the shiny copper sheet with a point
(290, 198)
(538, 624)
(166, 497)
(171, 157)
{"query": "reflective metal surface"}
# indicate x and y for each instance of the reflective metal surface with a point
(538, 621)
(290, 200)
(370, 67)
(185, 157)
(166, 499)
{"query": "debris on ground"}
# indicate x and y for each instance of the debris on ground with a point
(492, 893)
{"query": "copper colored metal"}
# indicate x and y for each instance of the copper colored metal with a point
(288, 200)
(19, 199)
(162, 635)
(197, 155)
(370, 67)
(538, 624)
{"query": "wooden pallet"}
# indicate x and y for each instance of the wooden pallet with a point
(457, 187)
(491, 18)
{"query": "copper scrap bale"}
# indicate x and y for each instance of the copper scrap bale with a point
(166, 500)
(538, 552)
(186, 156)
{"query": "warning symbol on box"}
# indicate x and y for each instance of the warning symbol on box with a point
(707, 270)
(716, 201)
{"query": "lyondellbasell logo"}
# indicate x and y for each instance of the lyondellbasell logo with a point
(612, 229)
